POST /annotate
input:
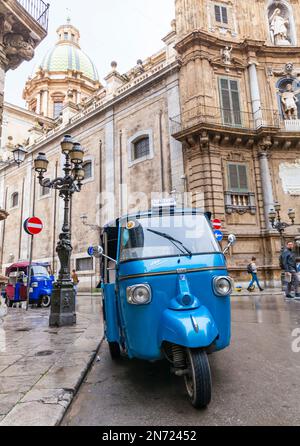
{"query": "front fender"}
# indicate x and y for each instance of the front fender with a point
(191, 329)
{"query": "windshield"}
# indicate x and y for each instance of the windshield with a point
(39, 271)
(146, 237)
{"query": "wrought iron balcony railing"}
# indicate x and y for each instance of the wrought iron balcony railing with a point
(240, 202)
(38, 10)
(202, 115)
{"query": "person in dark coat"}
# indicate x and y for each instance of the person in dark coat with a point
(289, 265)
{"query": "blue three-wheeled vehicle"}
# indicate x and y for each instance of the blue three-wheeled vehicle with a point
(167, 292)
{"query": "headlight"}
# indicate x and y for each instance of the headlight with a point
(139, 295)
(30, 290)
(34, 285)
(223, 286)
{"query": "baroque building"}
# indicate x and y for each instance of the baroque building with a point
(23, 25)
(214, 114)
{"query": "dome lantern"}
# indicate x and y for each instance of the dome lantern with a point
(65, 67)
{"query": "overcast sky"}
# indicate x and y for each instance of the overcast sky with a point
(120, 30)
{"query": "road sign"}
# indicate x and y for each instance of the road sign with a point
(217, 224)
(219, 235)
(33, 226)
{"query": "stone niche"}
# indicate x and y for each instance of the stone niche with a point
(289, 174)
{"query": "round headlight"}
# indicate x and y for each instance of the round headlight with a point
(139, 295)
(223, 286)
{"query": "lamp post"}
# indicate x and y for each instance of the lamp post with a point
(278, 224)
(19, 155)
(63, 295)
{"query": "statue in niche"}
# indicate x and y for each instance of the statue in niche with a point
(279, 28)
(226, 55)
(289, 100)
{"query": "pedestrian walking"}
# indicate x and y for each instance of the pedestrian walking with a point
(252, 269)
(75, 281)
(289, 265)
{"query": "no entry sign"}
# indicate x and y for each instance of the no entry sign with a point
(217, 224)
(33, 226)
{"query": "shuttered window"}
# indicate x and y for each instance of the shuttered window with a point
(238, 177)
(230, 101)
(84, 264)
(87, 167)
(221, 14)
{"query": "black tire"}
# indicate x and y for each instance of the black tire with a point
(45, 301)
(115, 351)
(198, 382)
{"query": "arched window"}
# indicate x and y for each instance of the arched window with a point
(88, 170)
(14, 200)
(141, 148)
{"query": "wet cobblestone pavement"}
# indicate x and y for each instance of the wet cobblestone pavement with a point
(41, 367)
(255, 382)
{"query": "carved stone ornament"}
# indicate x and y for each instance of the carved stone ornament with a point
(289, 174)
(17, 48)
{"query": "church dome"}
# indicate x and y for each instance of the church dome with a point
(68, 56)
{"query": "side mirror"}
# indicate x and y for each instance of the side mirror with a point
(98, 252)
(231, 241)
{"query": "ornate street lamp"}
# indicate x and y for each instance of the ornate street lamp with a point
(278, 224)
(19, 154)
(63, 296)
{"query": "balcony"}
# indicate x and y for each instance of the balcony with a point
(38, 10)
(204, 117)
(240, 202)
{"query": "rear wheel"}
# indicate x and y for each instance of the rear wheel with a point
(115, 351)
(198, 380)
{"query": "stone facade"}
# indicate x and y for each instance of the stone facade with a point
(240, 120)
(216, 113)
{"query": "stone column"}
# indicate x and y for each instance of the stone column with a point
(176, 153)
(110, 199)
(255, 95)
(267, 187)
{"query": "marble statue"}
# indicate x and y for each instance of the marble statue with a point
(289, 100)
(279, 28)
(226, 54)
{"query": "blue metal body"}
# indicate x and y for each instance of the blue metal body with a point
(142, 329)
(18, 292)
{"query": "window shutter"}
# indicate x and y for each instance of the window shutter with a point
(243, 178)
(226, 103)
(233, 177)
(224, 15)
(218, 13)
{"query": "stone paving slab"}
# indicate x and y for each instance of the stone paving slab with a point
(41, 368)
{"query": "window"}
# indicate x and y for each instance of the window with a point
(221, 14)
(45, 191)
(238, 177)
(57, 109)
(66, 36)
(84, 264)
(14, 200)
(230, 101)
(87, 167)
(141, 148)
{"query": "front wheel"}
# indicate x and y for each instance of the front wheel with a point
(198, 380)
(115, 351)
(46, 301)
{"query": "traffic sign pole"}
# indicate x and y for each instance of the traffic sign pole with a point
(32, 226)
(29, 273)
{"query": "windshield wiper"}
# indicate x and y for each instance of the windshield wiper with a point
(173, 240)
